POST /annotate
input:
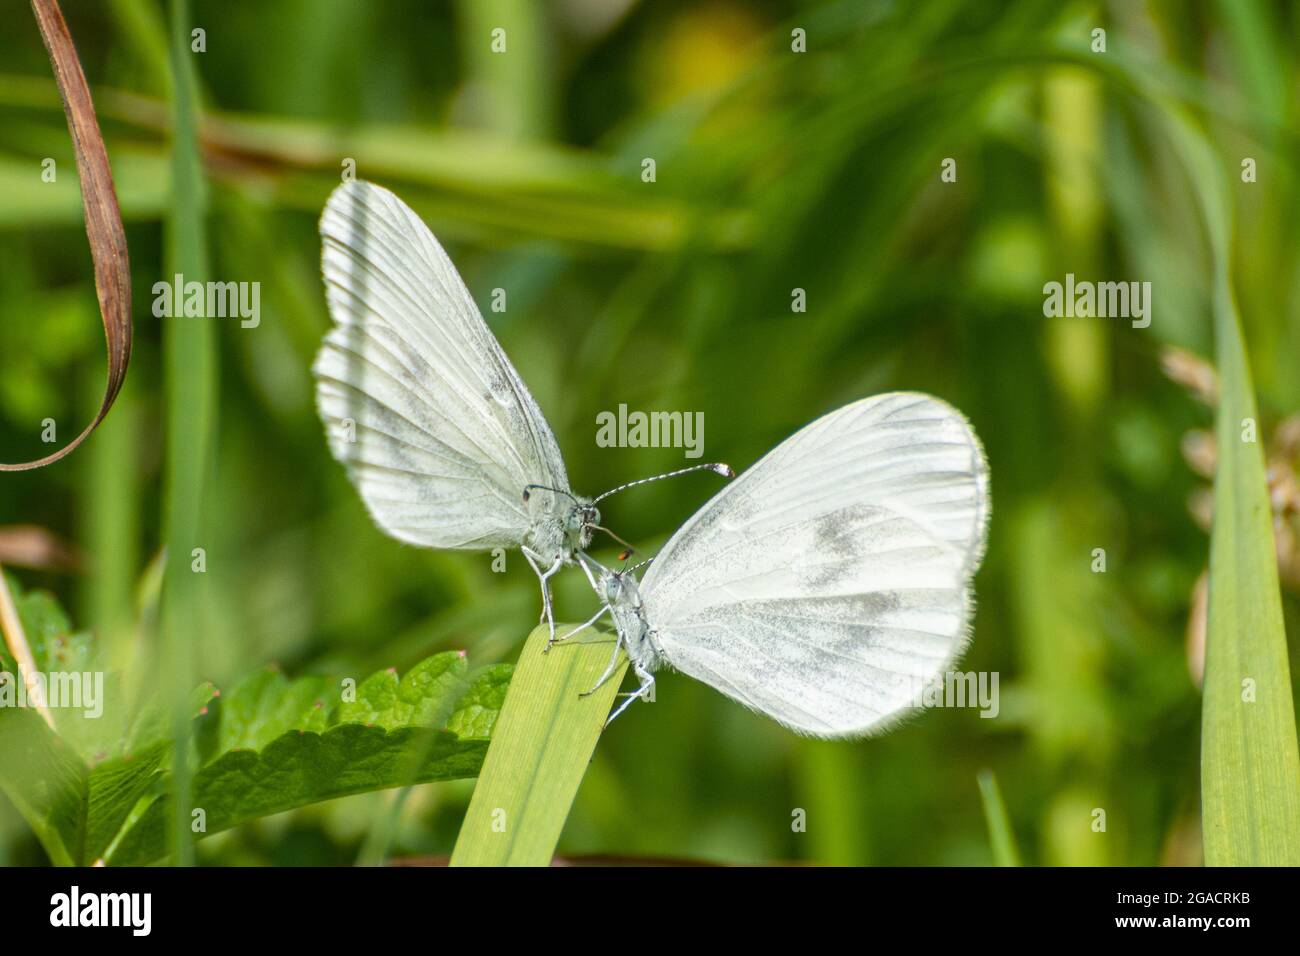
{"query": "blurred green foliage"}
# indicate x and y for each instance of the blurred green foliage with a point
(775, 170)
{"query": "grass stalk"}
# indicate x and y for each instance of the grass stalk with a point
(190, 394)
(1001, 835)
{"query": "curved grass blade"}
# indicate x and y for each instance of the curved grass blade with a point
(1250, 768)
(1250, 765)
(541, 745)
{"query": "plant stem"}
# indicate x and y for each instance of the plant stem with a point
(190, 360)
(16, 640)
(995, 815)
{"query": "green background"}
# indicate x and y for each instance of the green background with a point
(775, 170)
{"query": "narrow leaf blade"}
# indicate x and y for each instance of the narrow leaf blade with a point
(541, 746)
(1250, 766)
(995, 815)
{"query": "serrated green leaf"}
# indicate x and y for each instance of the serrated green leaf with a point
(45, 625)
(68, 664)
(477, 712)
(376, 698)
(76, 787)
(425, 696)
(300, 768)
(150, 723)
(100, 787)
(266, 705)
(104, 723)
(282, 755)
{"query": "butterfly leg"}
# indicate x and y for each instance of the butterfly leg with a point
(548, 608)
(543, 578)
(531, 558)
(643, 692)
(609, 671)
(581, 627)
(585, 562)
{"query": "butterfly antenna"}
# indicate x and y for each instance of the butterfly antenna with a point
(717, 468)
(559, 491)
(637, 567)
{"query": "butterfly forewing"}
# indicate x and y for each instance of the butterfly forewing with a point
(436, 429)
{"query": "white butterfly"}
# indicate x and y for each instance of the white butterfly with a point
(829, 583)
(436, 429)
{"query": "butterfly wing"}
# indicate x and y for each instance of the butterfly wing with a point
(436, 429)
(828, 583)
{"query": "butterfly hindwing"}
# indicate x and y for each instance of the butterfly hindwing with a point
(829, 582)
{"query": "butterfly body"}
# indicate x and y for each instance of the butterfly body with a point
(628, 611)
(621, 597)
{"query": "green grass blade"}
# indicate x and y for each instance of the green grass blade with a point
(1250, 766)
(541, 745)
(995, 814)
(190, 362)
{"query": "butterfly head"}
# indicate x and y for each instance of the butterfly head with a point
(565, 523)
(616, 587)
(571, 528)
(582, 523)
(620, 588)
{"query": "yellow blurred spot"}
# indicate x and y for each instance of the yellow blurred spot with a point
(703, 49)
